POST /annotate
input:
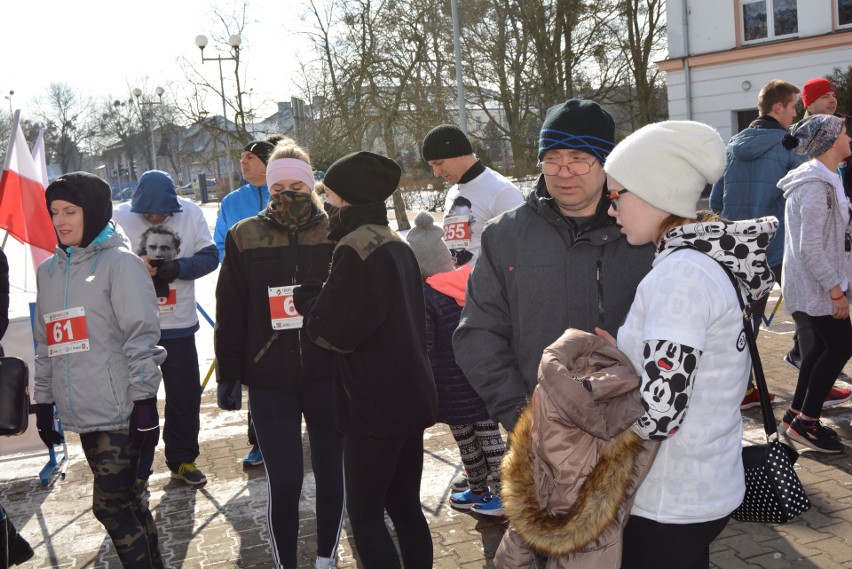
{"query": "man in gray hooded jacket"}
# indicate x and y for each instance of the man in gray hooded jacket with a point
(556, 262)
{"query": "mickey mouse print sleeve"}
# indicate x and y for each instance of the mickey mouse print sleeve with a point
(668, 376)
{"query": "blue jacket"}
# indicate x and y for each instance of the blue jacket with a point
(245, 201)
(747, 190)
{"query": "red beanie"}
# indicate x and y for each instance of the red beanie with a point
(816, 88)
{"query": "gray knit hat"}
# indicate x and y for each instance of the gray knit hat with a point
(426, 240)
(814, 135)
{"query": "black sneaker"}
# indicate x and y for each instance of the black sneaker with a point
(814, 436)
(792, 361)
(189, 473)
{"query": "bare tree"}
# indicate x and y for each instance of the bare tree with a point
(641, 27)
(69, 122)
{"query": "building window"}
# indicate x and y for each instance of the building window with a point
(770, 19)
(844, 13)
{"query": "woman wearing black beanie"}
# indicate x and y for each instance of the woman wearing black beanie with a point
(97, 359)
(385, 395)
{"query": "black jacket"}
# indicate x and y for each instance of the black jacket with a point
(260, 253)
(370, 311)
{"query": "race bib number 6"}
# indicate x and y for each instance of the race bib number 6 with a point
(281, 308)
(66, 331)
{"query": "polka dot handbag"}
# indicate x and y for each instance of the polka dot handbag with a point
(774, 493)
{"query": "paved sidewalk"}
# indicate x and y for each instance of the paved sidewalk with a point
(223, 524)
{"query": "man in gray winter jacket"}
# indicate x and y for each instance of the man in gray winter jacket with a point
(556, 262)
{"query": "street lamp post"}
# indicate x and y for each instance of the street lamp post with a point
(9, 96)
(234, 41)
(137, 92)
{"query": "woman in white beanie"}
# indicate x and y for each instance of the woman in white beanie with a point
(816, 273)
(684, 333)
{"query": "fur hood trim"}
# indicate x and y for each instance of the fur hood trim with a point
(603, 492)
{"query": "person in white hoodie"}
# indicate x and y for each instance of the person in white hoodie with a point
(97, 359)
(684, 335)
(817, 269)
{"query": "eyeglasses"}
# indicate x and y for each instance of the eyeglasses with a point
(613, 197)
(575, 168)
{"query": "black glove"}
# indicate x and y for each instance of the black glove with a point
(305, 295)
(161, 287)
(145, 424)
(44, 424)
(168, 271)
(229, 395)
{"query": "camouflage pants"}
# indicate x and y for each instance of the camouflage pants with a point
(115, 504)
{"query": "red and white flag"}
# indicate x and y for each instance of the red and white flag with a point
(23, 213)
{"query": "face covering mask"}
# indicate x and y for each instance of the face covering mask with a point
(291, 208)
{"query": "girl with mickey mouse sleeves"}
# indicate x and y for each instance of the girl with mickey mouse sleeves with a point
(684, 335)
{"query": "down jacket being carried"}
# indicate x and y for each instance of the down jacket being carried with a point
(574, 464)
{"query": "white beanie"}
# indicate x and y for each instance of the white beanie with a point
(668, 164)
(426, 240)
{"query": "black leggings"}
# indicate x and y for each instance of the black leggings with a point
(115, 504)
(826, 347)
(277, 416)
(652, 545)
(384, 474)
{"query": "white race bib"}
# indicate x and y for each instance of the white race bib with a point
(457, 231)
(66, 331)
(281, 309)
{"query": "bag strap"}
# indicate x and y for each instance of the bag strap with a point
(769, 424)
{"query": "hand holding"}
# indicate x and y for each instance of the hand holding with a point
(606, 336)
(305, 294)
(229, 395)
(44, 424)
(145, 424)
(169, 271)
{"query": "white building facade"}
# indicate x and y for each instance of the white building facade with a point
(721, 52)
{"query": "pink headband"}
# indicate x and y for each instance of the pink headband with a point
(289, 169)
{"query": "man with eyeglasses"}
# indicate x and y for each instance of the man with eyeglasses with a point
(558, 261)
(478, 193)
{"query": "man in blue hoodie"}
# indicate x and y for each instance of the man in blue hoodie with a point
(747, 190)
(171, 235)
(247, 201)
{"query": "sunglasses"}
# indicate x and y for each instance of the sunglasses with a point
(613, 197)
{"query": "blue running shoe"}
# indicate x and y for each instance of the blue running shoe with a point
(468, 499)
(254, 457)
(490, 506)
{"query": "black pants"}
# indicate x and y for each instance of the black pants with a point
(121, 511)
(652, 545)
(385, 474)
(758, 310)
(826, 347)
(277, 416)
(182, 381)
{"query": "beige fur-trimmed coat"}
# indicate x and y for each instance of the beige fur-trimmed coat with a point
(574, 464)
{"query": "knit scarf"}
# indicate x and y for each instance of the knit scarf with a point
(342, 221)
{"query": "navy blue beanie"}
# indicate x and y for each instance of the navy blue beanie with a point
(155, 193)
(578, 125)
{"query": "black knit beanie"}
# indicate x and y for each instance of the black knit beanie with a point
(578, 125)
(88, 192)
(445, 141)
(363, 177)
(260, 148)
